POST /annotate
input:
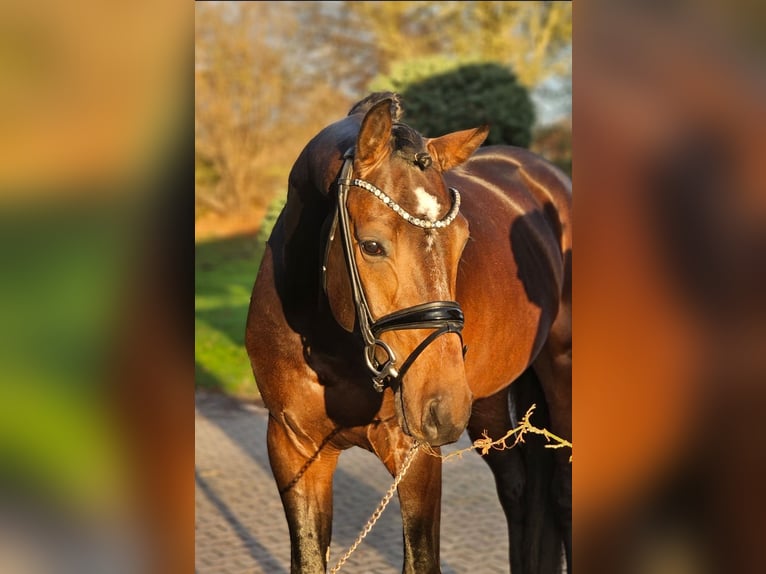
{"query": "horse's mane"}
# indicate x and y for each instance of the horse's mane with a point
(363, 106)
(408, 143)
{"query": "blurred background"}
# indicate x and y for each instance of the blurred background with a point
(96, 338)
(96, 213)
(669, 282)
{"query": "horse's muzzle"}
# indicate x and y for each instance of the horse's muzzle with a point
(439, 426)
(440, 421)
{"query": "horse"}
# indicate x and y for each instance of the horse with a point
(411, 289)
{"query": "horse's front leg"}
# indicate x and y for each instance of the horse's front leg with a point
(303, 469)
(523, 476)
(420, 492)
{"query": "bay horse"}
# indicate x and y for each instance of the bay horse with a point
(407, 283)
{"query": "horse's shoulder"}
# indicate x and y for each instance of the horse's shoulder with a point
(544, 180)
(528, 161)
(530, 180)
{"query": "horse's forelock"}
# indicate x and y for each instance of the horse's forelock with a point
(410, 145)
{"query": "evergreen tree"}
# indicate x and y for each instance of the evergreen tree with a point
(442, 96)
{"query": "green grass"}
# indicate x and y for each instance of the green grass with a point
(225, 270)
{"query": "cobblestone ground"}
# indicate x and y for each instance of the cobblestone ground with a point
(240, 525)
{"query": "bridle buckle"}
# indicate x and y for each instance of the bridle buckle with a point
(381, 372)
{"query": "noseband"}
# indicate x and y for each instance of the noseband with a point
(442, 316)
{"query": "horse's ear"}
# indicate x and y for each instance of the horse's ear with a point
(374, 135)
(453, 149)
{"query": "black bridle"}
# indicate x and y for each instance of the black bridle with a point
(442, 316)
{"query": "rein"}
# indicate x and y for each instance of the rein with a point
(443, 316)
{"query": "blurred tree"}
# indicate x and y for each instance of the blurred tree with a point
(533, 39)
(442, 96)
(257, 92)
(554, 142)
(233, 96)
(269, 75)
(530, 37)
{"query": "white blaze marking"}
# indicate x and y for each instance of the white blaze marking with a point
(428, 205)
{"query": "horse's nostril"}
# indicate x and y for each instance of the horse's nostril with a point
(438, 425)
(432, 423)
(434, 413)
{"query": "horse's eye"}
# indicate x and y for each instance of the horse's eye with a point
(373, 248)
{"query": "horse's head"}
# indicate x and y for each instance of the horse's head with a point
(403, 237)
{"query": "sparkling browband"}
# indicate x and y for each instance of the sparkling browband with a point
(424, 223)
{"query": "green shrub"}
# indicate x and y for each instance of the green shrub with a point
(442, 96)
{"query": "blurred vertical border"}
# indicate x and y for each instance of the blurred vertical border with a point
(96, 337)
(669, 188)
(96, 287)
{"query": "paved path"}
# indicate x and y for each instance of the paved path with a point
(240, 525)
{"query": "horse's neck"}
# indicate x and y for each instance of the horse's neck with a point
(297, 245)
(309, 203)
(300, 246)
(311, 183)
